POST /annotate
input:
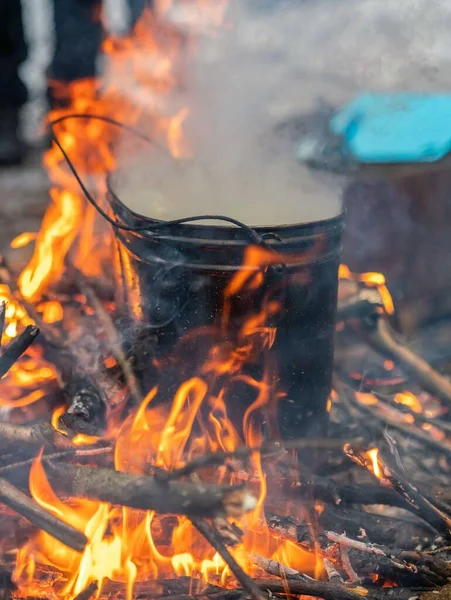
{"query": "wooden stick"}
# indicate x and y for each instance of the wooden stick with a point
(2, 319)
(243, 578)
(17, 347)
(311, 587)
(272, 567)
(111, 332)
(88, 592)
(26, 507)
(411, 432)
(382, 338)
(56, 456)
(151, 493)
(422, 507)
(32, 436)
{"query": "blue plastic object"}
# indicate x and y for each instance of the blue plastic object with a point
(396, 128)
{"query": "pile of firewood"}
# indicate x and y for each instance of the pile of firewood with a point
(378, 537)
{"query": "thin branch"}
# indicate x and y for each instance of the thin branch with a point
(2, 319)
(88, 592)
(273, 567)
(111, 333)
(311, 587)
(17, 347)
(382, 338)
(57, 456)
(151, 493)
(422, 507)
(25, 506)
(243, 578)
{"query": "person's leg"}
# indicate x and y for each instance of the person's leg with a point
(78, 36)
(13, 93)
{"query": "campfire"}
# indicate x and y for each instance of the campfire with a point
(134, 467)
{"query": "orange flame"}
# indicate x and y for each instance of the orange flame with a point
(376, 280)
(125, 545)
(373, 455)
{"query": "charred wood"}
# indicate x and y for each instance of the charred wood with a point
(311, 587)
(243, 578)
(26, 507)
(89, 592)
(272, 567)
(383, 338)
(17, 347)
(151, 493)
(32, 436)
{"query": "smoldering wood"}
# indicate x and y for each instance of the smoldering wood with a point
(311, 587)
(17, 347)
(339, 493)
(89, 592)
(73, 452)
(111, 332)
(404, 567)
(383, 338)
(243, 578)
(332, 574)
(425, 509)
(30, 437)
(88, 398)
(273, 567)
(417, 417)
(2, 319)
(150, 493)
(30, 510)
(414, 433)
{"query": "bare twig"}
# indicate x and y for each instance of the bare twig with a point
(32, 436)
(243, 578)
(25, 506)
(151, 493)
(311, 587)
(332, 574)
(382, 338)
(272, 567)
(2, 319)
(111, 332)
(88, 592)
(422, 507)
(17, 347)
(57, 456)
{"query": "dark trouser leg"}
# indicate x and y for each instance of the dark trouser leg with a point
(78, 36)
(13, 52)
(13, 93)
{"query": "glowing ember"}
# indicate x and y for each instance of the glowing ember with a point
(376, 280)
(373, 455)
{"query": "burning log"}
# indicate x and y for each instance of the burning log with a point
(306, 586)
(332, 574)
(17, 347)
(392, 563)
(425, 509)
(32, 436)
(243, 578)
(410, 432)
(152, 493)
(25, 506)
(88, 592)
(272, 567)
(380, 335)
(88, 402)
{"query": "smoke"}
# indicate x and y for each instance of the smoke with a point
(250, 81)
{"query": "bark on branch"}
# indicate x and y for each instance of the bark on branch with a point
(25, 506)
(151, 493)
